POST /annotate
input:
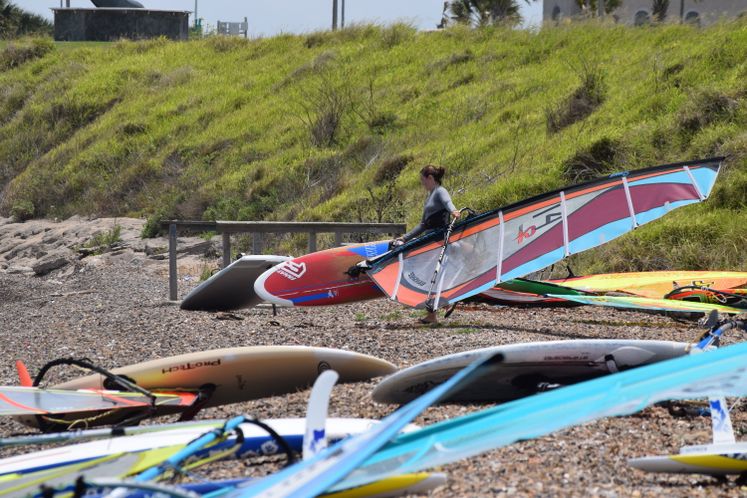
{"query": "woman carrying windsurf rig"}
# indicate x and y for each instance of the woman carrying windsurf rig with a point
(438, 206)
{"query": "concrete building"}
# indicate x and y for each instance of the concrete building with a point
(111, 24)
(638, 12)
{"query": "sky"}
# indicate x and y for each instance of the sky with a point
(270, 17)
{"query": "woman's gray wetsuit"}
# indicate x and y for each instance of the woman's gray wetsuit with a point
(438, 207)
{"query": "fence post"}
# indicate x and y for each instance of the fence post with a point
(338, 238)
(312, 242)
(226, 249)
(257, 243)
(172, 262)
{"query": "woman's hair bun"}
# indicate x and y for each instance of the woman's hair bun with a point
(437, 172)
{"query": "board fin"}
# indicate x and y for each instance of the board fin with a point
(315, 437)
(23, 374)
(723, 432)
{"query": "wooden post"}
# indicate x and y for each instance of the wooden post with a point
(226, 249)
(338, 238)
(312, 242)
(257, 243)
(172, 262)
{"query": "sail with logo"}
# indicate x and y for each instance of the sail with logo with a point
(530, 235)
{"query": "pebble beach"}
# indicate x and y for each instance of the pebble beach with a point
(113, 309)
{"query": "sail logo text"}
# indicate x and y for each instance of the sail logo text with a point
(416, 279)
(550, 218)
(191, 366)
(292, 271)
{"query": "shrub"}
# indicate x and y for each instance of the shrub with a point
(704, 108)
(152, 227)
(592, 162)
(16, 54)
(22, 211)
(106, 239)
(391, 168)
(581, 103)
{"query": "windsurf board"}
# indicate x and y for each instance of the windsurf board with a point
(651, 304)
(654, 284)
(527, 368)
(244, 373)
(232, 287)
(321, 278)
(718, 460)
(256, 442)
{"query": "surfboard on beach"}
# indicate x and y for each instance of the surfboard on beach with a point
(527, 368)
(233, 375)
(256, 441)
(321, 278)
(244, 373)
(716, 460)
(233, 287)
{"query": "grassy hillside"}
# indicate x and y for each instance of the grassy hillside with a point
(335, 126)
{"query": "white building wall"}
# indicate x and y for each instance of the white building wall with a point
(706, 11)
(554, 10)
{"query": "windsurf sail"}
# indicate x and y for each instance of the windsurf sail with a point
(16, 400)
(311, 477)
(530, 235)
(717, 372)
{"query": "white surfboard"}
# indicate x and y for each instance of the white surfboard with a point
(712, 459)
(177, 434)
(231, 288)
(527, 368)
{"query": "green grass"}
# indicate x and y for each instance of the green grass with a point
(301, 127)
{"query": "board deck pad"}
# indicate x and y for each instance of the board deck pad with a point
(233, 287)
(245, 373)
(526, 367)
(321, 278)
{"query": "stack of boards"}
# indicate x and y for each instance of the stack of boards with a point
(123, 456)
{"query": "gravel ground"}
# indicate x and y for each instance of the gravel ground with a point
(114, 310)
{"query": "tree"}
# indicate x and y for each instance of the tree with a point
(485, 12)
(15, 22)
(660, 8)
(591, 7)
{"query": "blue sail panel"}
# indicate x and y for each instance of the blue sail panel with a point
(721, 372)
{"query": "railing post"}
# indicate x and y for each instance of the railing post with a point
(257, 243)
(226, 249)
(312, 242)
(338, 238)
(172, 262)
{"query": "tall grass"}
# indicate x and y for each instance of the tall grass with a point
(301, 127)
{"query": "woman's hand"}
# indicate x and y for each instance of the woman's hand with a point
(456, 214)
(397, 242)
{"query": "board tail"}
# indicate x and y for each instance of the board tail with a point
(23, 374)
